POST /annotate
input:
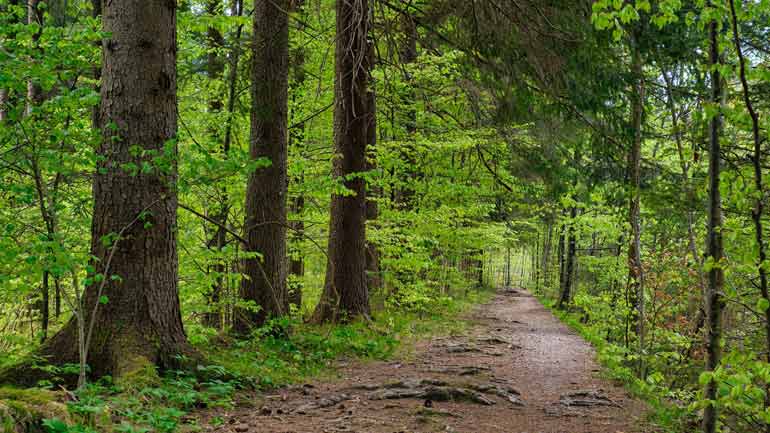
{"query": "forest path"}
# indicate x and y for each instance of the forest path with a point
(517, 370)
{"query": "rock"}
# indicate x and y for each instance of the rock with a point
(241, 428)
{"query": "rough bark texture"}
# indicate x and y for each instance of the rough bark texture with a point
(713, 297)
(266, 221)
(345, 293)
(140, 322)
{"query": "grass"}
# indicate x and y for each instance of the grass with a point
(285, 351)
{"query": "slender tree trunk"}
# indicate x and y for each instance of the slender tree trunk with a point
(569, 266)
(345, 293)
(507, 267)
(759, 202)
(266, 194)
(713, 297)
(215, 68)
(635, 271)
(4, 101)
(297, 140)
(536, 263)
(560, 253)
(34, 16)
(547, 255)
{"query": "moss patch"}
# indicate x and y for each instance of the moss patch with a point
(23, 410)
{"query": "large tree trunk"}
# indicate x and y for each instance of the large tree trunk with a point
(140, 320)
(713, 296)
(266, 221)
(345, 292)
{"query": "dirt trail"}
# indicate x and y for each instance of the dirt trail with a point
(518, 370)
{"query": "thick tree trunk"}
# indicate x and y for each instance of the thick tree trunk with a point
(138, 320)
(266, 220)
(345, 292)
(713, 297)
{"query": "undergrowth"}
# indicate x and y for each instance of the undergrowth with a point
(283, 352)
(619, 364)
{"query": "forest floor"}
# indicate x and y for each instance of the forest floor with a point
(517, 369)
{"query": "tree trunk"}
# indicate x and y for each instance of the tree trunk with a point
(215, 67)
(546, 256)
(635, 271)
(138, 319)
(345, 293)
(713, 297)
(266, 220)
(569, 265)
(759, 204)
(297, 140)
(34, 16)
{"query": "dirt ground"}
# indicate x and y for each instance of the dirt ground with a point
(518, 370)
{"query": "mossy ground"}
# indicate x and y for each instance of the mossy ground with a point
(23, 410)
(285, 351)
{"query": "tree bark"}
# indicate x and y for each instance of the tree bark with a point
(345, 294)
(546, 257)
(569, 265)
(266, 193)
(140, 320)
(713, 297)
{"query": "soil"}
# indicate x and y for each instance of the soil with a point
(517, 370)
